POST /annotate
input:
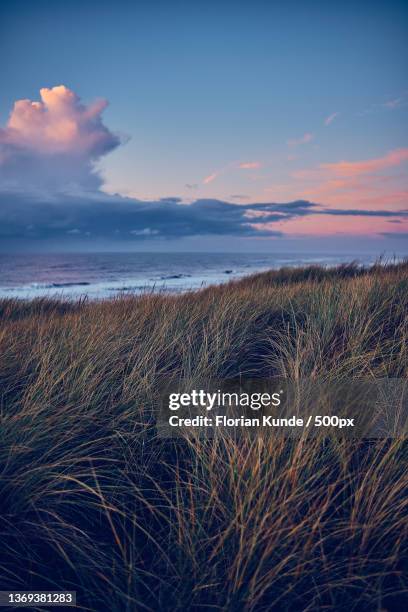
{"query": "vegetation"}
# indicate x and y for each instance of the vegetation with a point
(92, 500)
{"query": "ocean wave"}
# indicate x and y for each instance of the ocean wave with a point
(55, 285)
(73, 284)
(127, 288)
(174, 276)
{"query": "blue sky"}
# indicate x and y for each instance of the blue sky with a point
(221, 99)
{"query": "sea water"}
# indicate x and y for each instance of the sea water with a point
(99, 275)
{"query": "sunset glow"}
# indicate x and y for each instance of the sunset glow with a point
(241, 146)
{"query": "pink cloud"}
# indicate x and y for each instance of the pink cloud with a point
(249, 165)
(58, 124)
(231, 166)
(369, 166)
(331, 118)
(362, 183)
(210, 178)
(307, 137)
(320, 225)
(53, 143)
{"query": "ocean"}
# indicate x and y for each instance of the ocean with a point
(100, 275)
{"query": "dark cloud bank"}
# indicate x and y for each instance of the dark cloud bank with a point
(98, 215)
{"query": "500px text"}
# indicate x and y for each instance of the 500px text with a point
(266, 421)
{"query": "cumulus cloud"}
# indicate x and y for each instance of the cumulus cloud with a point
(54, 143)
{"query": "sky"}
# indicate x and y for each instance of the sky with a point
(204, 125)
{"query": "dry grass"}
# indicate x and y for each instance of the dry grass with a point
(92, 500)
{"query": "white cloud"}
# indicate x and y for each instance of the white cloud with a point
(54, 143)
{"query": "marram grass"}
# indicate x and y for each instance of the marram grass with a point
(91, 500)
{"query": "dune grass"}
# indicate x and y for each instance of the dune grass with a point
(92, 500)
